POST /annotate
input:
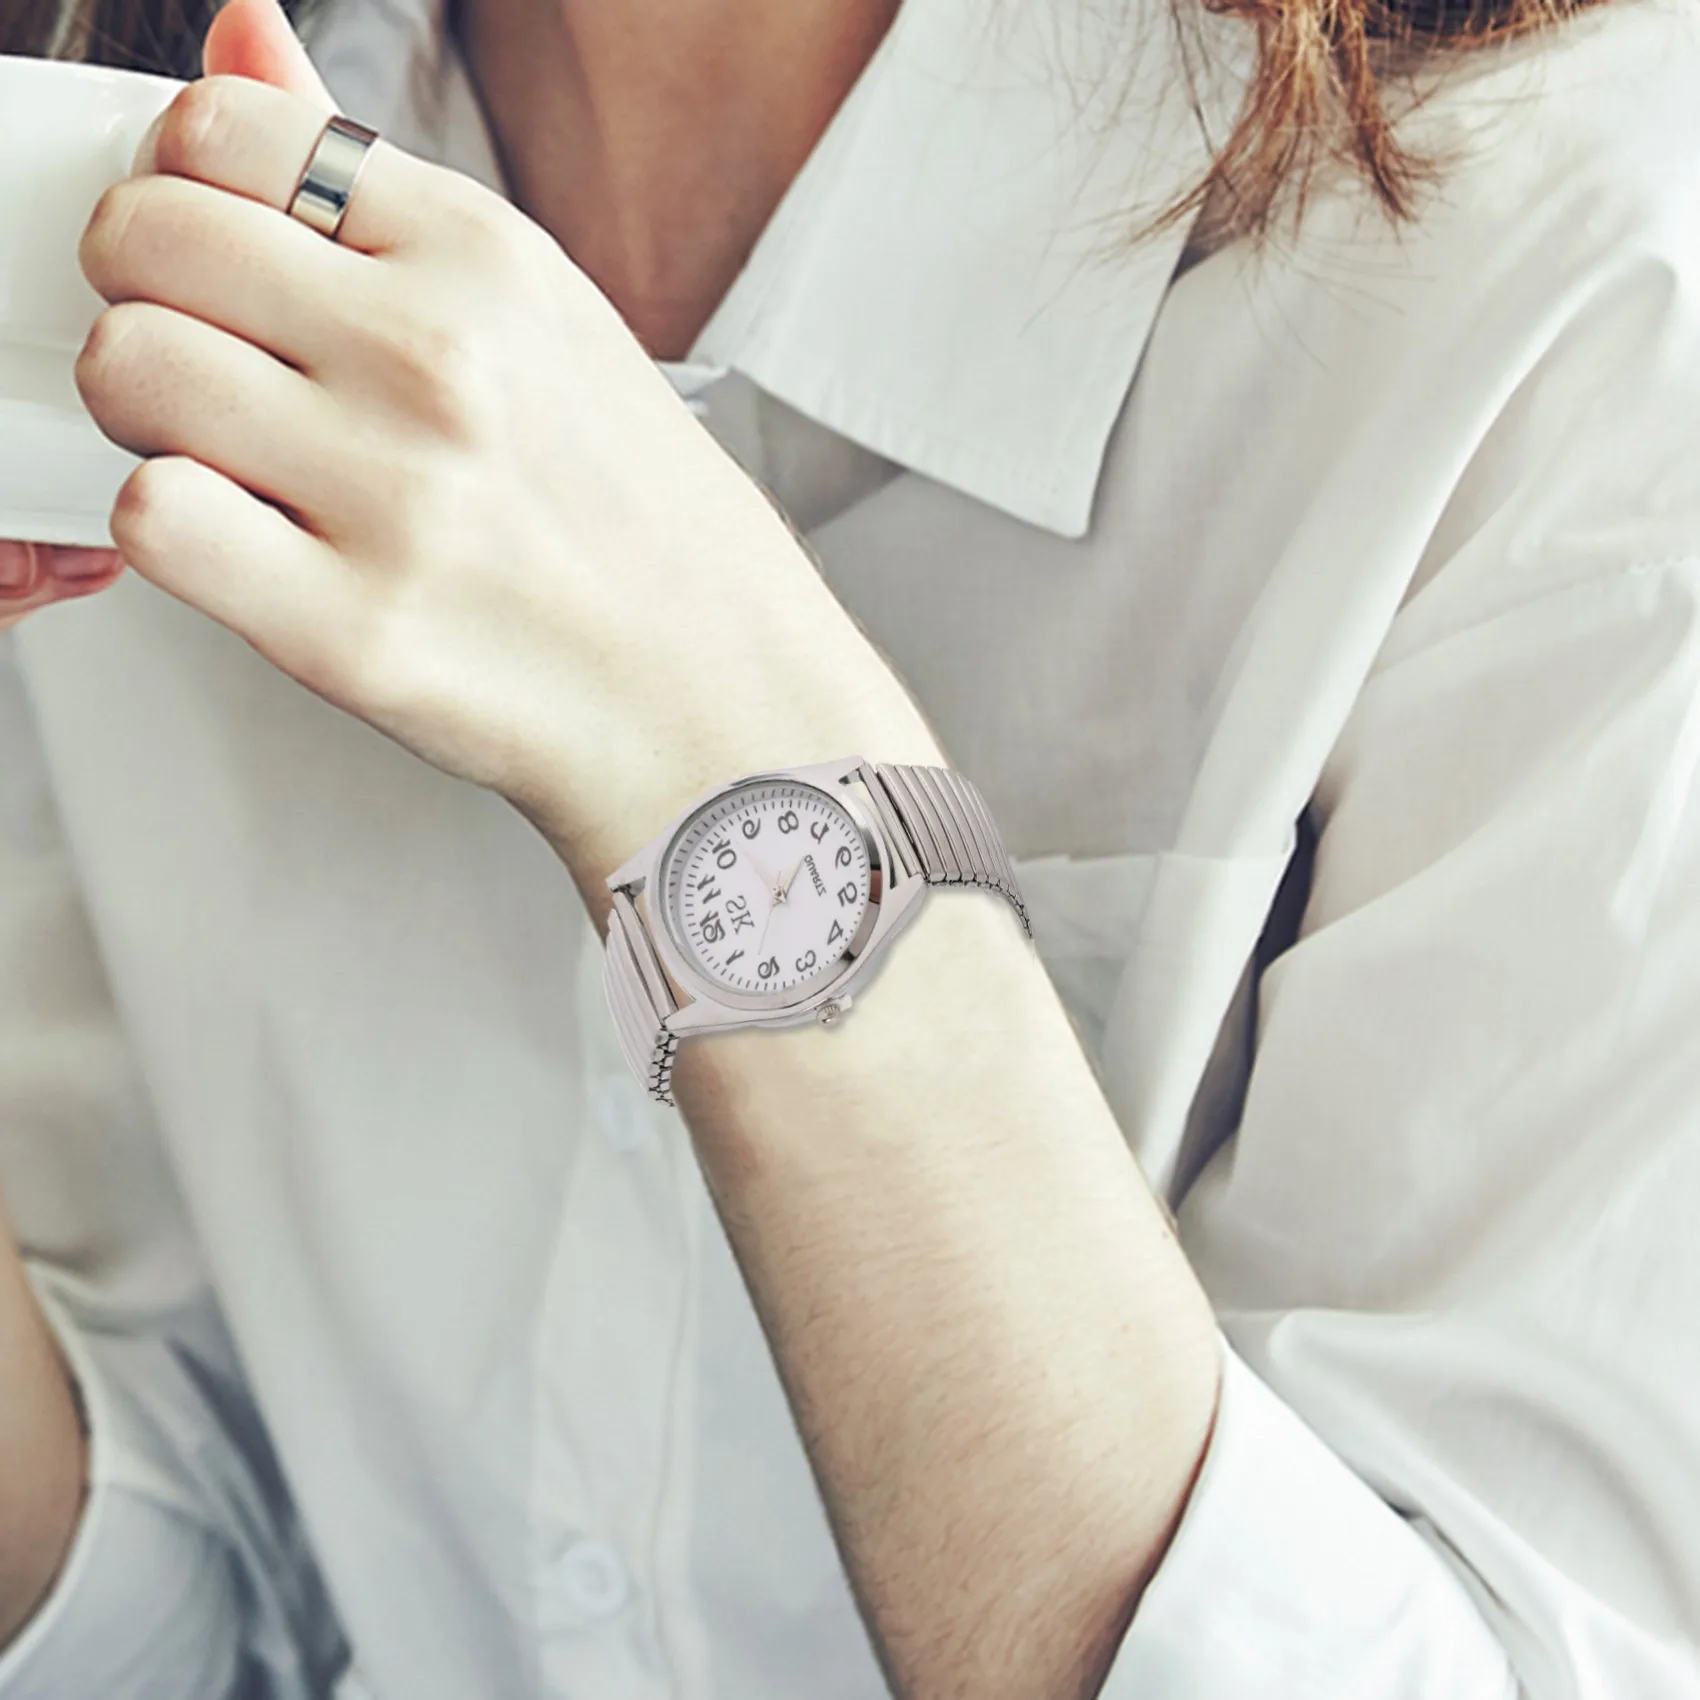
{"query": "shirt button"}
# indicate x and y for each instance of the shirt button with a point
(593, 1581)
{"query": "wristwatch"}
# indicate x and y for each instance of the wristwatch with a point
(770, 900)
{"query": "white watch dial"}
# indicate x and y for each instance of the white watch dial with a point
(766, 888)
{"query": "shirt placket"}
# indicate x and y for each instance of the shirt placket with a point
(613, 1442)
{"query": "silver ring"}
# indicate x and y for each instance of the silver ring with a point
(321, 197)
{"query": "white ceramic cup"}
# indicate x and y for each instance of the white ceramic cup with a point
(67, 132)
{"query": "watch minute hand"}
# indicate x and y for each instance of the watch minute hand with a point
(768, 885)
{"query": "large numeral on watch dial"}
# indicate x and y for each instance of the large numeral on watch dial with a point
(765, 889)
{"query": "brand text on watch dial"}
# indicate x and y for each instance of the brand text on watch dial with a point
(767, 887)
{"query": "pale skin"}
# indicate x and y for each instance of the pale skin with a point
(431, 473)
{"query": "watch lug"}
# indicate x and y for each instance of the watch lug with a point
(825, 774)
(701, 1015)
(899, 905)
(633, 873)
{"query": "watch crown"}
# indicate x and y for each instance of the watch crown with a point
(828, 1013)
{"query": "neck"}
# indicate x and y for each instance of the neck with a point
(654, 138)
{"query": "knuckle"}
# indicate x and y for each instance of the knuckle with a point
(371, 663)
(107, 231)
(491, 231)
(476, 213)
(390, 505)
(195, 128)
(339, 664)
(141, 514)
(422, 513)
(443, 375)
(107, 353)
(507, 234)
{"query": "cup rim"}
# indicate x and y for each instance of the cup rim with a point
(74, 71)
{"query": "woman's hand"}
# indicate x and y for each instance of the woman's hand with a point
(36, 575)
(427, 471)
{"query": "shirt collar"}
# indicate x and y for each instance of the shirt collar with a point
(950, 281)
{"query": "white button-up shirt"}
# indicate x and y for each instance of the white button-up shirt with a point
(1323, 628)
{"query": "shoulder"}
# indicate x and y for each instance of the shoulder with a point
(1563, 168)
(1529, 346)
(1598, 116)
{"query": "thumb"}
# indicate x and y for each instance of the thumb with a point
(253, 39)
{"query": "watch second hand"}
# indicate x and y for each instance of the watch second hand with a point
(774, 899)
(780, 894)
(767, 923)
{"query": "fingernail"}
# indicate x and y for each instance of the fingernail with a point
(77, 566)
(17, 568)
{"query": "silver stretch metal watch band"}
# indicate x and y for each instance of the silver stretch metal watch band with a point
(939, 821)
(937, 828)
(640, 999)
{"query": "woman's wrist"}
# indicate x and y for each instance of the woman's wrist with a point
(838, 699)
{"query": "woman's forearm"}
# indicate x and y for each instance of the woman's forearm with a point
(42, 1449)
(1001, 1363)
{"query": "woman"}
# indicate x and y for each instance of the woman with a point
(1316, 618)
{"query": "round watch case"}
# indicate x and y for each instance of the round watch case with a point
(755, 801)
(708, 1003)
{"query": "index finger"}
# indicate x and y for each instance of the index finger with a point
(255, 140)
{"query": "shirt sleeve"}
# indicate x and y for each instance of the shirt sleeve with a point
(187, 1578)
(1290, 1577)
(1452, 1241)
